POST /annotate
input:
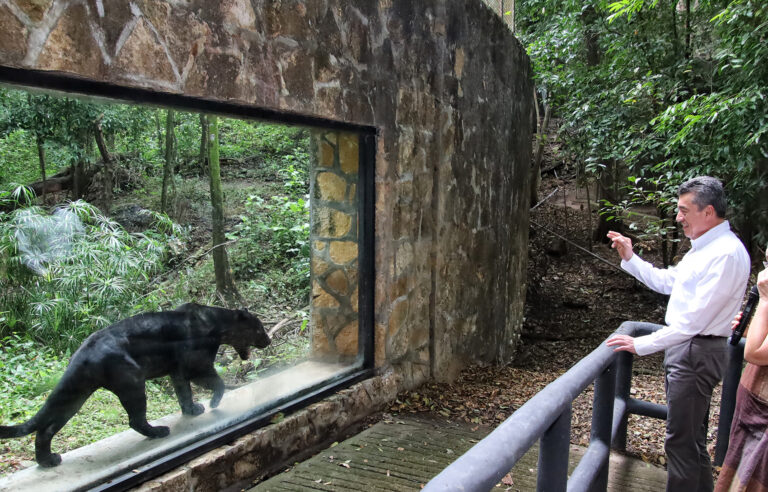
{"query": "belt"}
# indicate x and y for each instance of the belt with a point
(709, 336)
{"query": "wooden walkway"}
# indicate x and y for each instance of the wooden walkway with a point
(405, 453)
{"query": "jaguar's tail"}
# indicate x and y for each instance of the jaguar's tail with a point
(28, 427)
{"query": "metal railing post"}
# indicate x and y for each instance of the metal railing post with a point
(623, 387)
(602, 418)
(728, 399)
(553, 455)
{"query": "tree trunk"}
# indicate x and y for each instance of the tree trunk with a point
(107, 172)
(607, 189)
(41, 160)
(688, 29)
(589, 17)
(589, 217)
(203, 159)
(78, 190)
(159, 131)
(541, 138)
(224, 284)
(170, 140)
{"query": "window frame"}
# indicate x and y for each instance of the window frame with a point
(27, 79)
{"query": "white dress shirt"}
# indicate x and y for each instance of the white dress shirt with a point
(705, 289)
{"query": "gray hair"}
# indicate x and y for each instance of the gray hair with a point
(706, 191)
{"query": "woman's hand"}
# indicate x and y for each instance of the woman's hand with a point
(762, 285)
(736, 320)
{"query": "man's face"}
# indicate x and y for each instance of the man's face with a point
(695, 221)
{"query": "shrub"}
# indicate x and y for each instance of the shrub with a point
(274, 236)
(67, 274)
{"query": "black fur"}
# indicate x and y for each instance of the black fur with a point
(122, 357)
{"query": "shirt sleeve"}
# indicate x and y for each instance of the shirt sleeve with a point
(712, 293)
(660, 280)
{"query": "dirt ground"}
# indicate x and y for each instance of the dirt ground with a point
(575, 300)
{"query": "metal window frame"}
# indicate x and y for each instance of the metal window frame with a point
(363, 368)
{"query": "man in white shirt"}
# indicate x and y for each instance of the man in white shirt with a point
(705, 291)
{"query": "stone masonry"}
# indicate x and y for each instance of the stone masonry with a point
(333, 234)
(444, 82)
(448, 89)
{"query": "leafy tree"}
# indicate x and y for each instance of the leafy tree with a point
(654, 92)
(225, 285)
(170, 158)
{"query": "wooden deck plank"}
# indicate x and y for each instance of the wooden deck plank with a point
(405, 454)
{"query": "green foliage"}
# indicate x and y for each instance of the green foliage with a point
(273, 236)
(674, 93)
(18, 154)
(66, 275)
(29, 372)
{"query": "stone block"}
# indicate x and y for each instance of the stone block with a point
(346, 339)
(327, 154)
(330, 223)
(342, 252)
(379, 344)
(321, 298)
(142, 54)
(318, 266)
(70, 48)
(337, 281)
(349, 153)
(397, 317)
(354, 300)
(330, 187)
(403, 258)
(320, 343)
(13, 36)
(35, 9)
(177, 480)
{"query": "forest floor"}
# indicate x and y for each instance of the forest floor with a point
(574, 302)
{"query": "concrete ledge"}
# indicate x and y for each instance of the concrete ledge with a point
(267, 450)
(91, 465)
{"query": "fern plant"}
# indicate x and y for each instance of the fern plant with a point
(67, 274)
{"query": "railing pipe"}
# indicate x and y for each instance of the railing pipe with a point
(647, 409)
(590, 468)
(513, 437)
(602, 417)
(554, 447)
(623, 388)
(548, 414)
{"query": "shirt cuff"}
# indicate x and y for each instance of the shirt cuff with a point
(644, 345)
(632, 262)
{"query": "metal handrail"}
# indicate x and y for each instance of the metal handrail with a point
(547, 417)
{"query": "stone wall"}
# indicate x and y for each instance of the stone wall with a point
(334, 239)
(444, 82)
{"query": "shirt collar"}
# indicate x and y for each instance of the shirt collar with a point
(711, 235)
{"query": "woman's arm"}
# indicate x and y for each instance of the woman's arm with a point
(756, 346)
